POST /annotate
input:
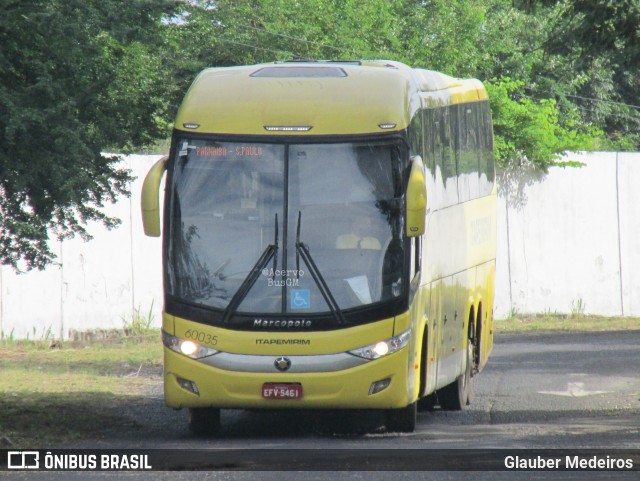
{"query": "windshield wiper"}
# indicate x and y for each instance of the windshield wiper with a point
(302, 250)
(271, 251)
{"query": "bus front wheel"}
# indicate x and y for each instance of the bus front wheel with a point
(401, 420)
(204, 421)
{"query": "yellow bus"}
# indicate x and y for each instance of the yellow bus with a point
(328, 240)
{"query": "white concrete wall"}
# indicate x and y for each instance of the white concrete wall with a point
(628, 166)
(568, 238)
(95, 284)
(563, 238)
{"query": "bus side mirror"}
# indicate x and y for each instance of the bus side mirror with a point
(150, 199)
(416, 199)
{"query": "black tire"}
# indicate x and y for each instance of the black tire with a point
(401, 420)
(204, 421)
(471, 368)
(477, 344)
(428, 402)
(459, 393)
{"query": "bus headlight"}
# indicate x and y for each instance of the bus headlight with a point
(383, 348)
(186, 347)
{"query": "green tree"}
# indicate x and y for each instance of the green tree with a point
(76, 77)
(81, 77)
(528, 131)
(465, 38)
(239, 32)
(593, 62)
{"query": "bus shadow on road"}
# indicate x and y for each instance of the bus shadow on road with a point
(292, 423)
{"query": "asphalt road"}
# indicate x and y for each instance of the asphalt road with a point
(539, 391)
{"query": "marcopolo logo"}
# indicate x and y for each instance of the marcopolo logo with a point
(282, 323)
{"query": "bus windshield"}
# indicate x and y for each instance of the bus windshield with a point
(286, 230)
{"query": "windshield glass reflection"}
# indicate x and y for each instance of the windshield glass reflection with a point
(343, 206)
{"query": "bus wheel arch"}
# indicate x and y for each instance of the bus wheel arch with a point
(426, 402)
(470, 364)
(477, 340)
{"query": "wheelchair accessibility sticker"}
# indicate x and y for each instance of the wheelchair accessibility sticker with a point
(300, 299)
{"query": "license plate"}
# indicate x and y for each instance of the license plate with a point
(272, 390)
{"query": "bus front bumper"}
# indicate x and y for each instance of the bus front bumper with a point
(194, 383)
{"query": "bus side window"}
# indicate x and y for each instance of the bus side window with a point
(468, 151)
(430, 145)
(487, 169)
(447, 155)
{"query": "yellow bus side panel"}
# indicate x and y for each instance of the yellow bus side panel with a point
(485, 296)
(458, 272)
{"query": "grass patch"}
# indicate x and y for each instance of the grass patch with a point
(139, 323)
(61, 393)
(565, 322)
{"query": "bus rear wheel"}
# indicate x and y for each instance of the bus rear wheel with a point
(459, 393)
(401, 420)
(204, 421)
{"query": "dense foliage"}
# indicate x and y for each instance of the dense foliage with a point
(578, 90)
(81, 77)
(76, 77)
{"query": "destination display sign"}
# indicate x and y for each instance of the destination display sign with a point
(230, 151)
